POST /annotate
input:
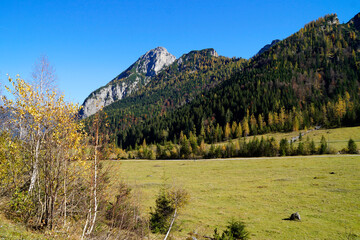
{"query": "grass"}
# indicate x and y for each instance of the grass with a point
(10, 230)
(337, 138)
(261, 192)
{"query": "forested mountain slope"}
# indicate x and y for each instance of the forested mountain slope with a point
(310, 78)
(173, 87)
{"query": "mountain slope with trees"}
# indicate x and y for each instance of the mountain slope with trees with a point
(310, 78)
(173, 87)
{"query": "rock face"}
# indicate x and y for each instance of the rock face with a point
(213, 52)
(154, 61)
(268, 46)
(129, 81)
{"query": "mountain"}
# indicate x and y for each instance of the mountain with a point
(176, 85)
(129, 81)
(267, 46)
(310, 78)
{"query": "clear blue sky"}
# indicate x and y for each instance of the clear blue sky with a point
(89, 42)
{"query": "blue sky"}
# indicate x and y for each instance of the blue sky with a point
(90, 42)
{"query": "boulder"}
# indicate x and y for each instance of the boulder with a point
(295, 217)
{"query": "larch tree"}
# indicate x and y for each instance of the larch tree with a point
(245, 127)
(227, 131)
(239, 130)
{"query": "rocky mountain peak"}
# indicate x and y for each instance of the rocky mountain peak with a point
(154, 60)
(129, 81)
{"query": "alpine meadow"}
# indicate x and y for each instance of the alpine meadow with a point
(198, 147)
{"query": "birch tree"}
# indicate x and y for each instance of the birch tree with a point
(52, 142)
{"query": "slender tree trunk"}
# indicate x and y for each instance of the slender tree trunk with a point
(65, 196)
(91, 219)
(171, 224)
(35, 167)
(95, 184)
(86, 224)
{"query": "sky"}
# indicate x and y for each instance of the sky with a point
(90, 42)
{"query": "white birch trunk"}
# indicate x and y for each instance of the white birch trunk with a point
(171, 224)
(35, 167)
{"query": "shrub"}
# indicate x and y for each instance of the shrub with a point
(323, 146)
(124, 215)
(21, 207)
(234, 231)
(284, 147)
(352, 148)
(167, 203)
(159, 219)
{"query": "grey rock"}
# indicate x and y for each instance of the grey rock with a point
(295, 217)
(213, 53)
(152, 62)
(334, 21)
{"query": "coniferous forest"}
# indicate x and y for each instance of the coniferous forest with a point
(309, 79)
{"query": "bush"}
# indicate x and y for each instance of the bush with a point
(323, 146)
(159, 219)
(166, 203)
(234, 231)
(284, 147)
(21, 207)
(124, 215)
(352, 148)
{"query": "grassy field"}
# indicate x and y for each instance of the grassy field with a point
(261, 192)
(337, 138)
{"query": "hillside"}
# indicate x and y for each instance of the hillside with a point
(174, 86)
(310, 78)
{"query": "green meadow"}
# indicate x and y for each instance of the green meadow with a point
(325, 190)
(259, 191)
(336, 138)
